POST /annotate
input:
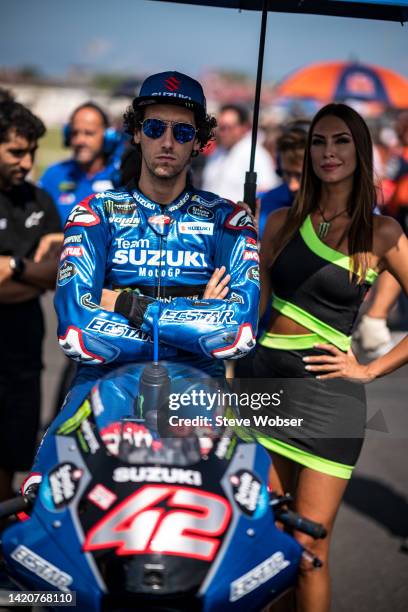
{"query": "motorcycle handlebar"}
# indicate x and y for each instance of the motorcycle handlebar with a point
(21, 503)
(295, 521)
(14, 505)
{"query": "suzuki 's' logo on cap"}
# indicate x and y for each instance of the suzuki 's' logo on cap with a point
(172, 83)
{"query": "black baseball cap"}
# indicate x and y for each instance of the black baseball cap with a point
(172, 88)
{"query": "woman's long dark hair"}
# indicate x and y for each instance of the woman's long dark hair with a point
(362, 199)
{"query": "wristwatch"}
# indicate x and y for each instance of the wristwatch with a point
(17, 265)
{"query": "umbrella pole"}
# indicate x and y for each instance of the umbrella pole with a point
(250, 177)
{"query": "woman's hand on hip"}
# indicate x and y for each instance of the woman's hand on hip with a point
(337, 364)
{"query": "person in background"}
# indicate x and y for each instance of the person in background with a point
(225, 169)
(27, 214)
(290, 148)
(373, 332)
(5, 95)
(271, 130)
(93, 167)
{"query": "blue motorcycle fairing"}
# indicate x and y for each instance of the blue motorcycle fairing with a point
(254, 559)
(252, 545)
(54, 552)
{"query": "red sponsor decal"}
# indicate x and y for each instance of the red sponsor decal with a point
(137, 435)
(239, 219)
(159, 220)
(72, 251)
(73, 345)
(187, 526)
(83, 215)
(244, 341)
(34, 478)
(251, 242)
(102, 497)
(251, 255)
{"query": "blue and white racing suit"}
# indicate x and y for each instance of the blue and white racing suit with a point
(122, 240)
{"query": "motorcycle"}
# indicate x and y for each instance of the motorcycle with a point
(132, 514)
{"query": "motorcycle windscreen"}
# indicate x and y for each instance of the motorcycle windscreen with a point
(163, 436)
(134, 443)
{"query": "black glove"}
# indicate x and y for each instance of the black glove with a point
(132, 306)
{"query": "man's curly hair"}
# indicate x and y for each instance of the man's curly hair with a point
(205, 125)
(16, 117)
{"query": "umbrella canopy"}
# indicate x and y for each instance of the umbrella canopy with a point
(366, 9)
(341, 81)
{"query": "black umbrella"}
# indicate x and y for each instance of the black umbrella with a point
(365, 9)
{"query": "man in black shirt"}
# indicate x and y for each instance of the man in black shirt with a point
(27, 214)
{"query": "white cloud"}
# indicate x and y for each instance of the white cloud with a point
(97, 48)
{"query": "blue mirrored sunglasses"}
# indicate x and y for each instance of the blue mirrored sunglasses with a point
(182, 132)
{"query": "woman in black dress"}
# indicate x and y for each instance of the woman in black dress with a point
(318, 260)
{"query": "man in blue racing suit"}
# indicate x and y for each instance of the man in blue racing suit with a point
(160, 249)
(94, 166)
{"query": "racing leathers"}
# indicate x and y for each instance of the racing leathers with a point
(121, 240)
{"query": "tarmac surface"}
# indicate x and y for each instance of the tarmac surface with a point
(370, 572)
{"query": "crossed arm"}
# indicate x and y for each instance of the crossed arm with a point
(217, 289)
(39, 275)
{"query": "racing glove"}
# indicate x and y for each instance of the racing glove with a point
(132, 306)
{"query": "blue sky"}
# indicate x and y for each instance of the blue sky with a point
(141, 36)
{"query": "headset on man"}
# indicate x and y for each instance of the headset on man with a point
(112, 137)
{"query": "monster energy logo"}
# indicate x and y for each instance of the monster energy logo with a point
(323, 230)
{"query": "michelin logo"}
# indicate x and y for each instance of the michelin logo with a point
(235, 298)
